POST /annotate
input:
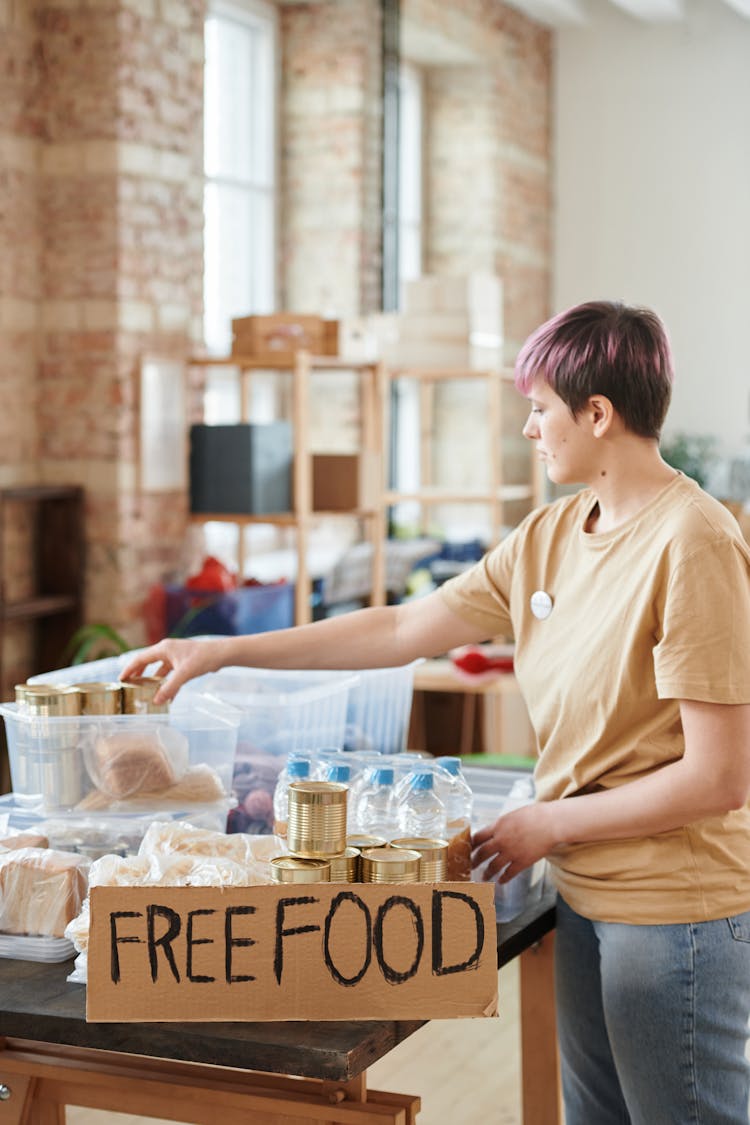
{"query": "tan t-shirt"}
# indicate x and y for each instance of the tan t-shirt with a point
(652, 612)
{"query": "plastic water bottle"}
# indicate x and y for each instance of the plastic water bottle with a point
(458, 798)
(296, 769)
(375, 808)
(456, 795)
(420, 810)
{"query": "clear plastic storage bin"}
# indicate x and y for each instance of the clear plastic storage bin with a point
(280, 712)
(99, 763)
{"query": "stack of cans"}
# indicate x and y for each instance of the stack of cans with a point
(320, 851)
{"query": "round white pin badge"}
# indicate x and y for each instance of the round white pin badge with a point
(541, 604)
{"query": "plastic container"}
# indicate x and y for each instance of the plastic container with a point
(97, 763)
(420, 811)
(281, 713)
(379, 708)
(106, 670)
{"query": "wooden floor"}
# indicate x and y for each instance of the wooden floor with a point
(465, 1071)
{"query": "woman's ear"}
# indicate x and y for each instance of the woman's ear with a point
(601, 414)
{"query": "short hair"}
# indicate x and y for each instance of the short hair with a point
(607, 348)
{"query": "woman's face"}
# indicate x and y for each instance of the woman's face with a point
(565, 444)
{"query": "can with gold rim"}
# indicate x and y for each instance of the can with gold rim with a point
(345, 867)
(389, 865)
(48, 762)
(138, 696)
(294, 869)
(99, 698)
(361, 842)
(317, 819)
(433, 856)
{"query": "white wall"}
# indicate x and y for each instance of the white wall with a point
(652, 190)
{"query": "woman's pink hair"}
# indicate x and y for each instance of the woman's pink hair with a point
(606, 348)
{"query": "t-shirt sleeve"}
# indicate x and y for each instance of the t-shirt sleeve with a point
(481, 595)
(704, 650)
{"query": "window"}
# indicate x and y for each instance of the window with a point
(410, 174)
(239, 165)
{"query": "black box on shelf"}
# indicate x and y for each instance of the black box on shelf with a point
(241, 469)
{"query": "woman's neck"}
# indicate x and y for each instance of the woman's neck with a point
(625, 484)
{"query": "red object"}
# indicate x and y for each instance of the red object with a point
(476, 661)
(213, 575)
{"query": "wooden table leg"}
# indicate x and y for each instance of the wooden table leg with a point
(540, 1067)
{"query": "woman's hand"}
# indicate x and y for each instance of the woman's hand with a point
(516, 841)
(180, 660)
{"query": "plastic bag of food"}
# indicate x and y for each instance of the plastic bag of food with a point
(41, 890)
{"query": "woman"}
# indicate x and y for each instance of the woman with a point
(629, 603)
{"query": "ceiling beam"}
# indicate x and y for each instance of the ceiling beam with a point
(553, 13)
(653, 11)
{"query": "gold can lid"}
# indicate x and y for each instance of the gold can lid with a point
(293, 869)
(348, 853)
(24, 690)
(427, 848)
(361, 842)
(317, 792)
(397, 861)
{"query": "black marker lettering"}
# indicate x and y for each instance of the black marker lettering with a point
(281, 933)
(438, 968)
(230, 942)
(391, 974)
(165, 941)
(115, 940)
(191, 941)
(347, 896)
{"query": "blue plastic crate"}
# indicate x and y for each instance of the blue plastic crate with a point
(248, 609)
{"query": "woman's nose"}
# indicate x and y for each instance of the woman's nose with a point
(530, 429)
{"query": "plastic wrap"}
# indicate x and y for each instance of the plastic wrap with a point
(177, 855)
(199, 785)
(23, 840)
(41, 890)
(126, 762)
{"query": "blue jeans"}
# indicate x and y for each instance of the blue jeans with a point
(653, 1021)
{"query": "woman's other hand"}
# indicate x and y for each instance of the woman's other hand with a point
(515, 841)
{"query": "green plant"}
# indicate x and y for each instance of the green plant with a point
(692, 454)
(93, 642)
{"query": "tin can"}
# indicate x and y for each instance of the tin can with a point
(317, 819)
(433, 855)
(293, 869)
(138, 696)
(99, 698)
(51, 769)
(345, 867)
(389, 865)
(361, 842)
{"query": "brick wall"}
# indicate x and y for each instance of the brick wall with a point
(100, 262)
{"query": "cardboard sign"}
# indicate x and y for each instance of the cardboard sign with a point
(328, 951)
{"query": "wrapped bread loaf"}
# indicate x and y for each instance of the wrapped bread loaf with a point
(199, 784)
(41, 890)
(127, 762)
(24, 840)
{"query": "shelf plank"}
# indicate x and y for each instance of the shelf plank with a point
(281, 519)
(287, 363)
(41, 606)
(449, 496)
(30, 492)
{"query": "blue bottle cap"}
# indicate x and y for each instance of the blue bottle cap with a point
(299, 767)
(340, 774)
(383, 777)
(422, 781)
(452, 765)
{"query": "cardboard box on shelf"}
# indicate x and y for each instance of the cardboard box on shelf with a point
(278, 336)
(477, 295)
(348, 951)
(344, 481)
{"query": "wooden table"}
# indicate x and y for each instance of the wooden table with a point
(274, 1073)
(440, 676)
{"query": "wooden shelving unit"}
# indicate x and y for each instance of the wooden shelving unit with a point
(302, 516)
(499, 492)
(54, 610)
